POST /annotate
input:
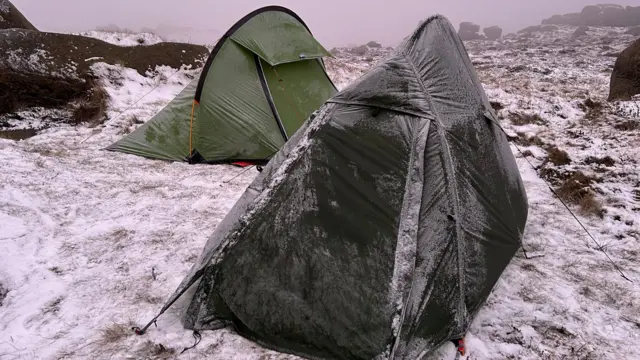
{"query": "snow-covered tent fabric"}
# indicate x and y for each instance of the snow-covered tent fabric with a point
(382, 225)
(263, 79)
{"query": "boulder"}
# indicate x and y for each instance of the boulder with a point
(50, 70)
(538, 28)
(470, 31)
(591, 15)
(572, 19)
(581, 31)
(12, 18)
(635, 31)
(625, 78)
(359, 50)
(610, 15)
(466, 26)
(373, 44)
(492, 32)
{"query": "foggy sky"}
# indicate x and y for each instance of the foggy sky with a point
(333, 22)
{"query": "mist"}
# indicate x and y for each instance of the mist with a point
(333, 22)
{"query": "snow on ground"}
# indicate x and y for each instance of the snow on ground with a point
(93, 242)
(123, 38)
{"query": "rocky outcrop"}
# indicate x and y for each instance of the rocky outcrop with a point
(635, 31)
(625, 78)
(572, 19)
(538, 28)
(470, 31)
(359, 50)
(374, 44)
(50, 70)
(581, 31)
(492, 32)
(599, 15)
(12, 18)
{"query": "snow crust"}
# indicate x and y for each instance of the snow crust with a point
(93, 242)
(123, 38)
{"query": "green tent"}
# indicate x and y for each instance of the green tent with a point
(264, 77)
(381, 227)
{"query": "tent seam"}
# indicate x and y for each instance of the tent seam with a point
(380, 106)
(410, 215)
(235, 27)
(450, 175)
(316, 57)
(269, 97)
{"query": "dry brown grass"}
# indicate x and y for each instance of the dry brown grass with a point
(91, 108)
(114, 333)
(126, 126)
(3, 293)
(558, 157)
(576, 189)
(496, 105)
(520, 119)
(151, 350)
(606, 161)
(53, 306)
(525, 140)
(593, 109)
(590, 206)
(628, 125)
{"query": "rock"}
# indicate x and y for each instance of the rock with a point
(538, 28)
(591, 14)
(572, 19)
(469, 31)
(373, 44)
(51, 70)
(492, 32)
(359, 50)
(12, 18)
(466, 26)
(625, 78)
(580, 31)
(635, 31)
(610, 15)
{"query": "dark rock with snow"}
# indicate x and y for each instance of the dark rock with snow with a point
(373, 44)
(49, 70)
(12, 18)
(538, 28)
(625, 78)
(470, 27)
(470, 31)
(572, 19)
(635, 31)
(492, 32)
(359, 50)
(611, 15)
(581, 31)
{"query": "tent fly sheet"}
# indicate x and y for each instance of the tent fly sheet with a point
(381, 227)
(263, 79)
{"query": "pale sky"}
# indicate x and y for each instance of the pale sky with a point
(333, 22)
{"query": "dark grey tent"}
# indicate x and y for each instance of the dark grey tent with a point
(382, 225)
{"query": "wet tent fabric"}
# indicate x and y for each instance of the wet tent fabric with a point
(165, 136)
(262, 81)
(381, 226)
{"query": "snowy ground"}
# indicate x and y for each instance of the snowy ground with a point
(92, 242)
